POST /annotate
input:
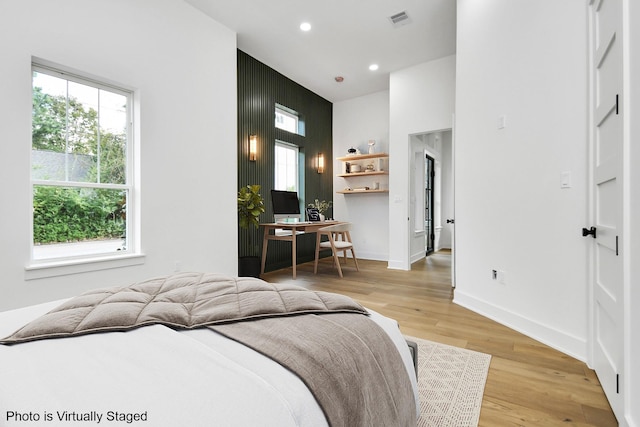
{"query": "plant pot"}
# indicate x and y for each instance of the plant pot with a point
(249, 266)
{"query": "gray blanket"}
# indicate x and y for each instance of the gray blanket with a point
(350, 365)
(347, 361)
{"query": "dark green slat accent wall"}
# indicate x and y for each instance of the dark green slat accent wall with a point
(259, 89)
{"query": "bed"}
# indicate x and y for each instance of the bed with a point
(182, 367)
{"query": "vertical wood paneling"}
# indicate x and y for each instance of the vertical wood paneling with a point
(259, 89)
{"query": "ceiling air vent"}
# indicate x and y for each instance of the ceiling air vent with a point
(400, 19)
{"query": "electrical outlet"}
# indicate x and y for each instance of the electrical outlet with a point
(178, 266)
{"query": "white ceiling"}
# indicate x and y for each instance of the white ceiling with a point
(346, 37)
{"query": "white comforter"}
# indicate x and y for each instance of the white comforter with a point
(152, 376)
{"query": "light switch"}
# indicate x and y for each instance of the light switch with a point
(565, 179)
(502, 122)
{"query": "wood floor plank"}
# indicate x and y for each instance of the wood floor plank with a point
(529, 383)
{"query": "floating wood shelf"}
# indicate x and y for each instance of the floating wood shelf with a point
(377, 160)
(363, 157)
(347, 175)
(361, 191)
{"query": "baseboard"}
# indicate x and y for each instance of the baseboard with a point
(398, 265)
(375, 256)
(417, 256)
(568, 344)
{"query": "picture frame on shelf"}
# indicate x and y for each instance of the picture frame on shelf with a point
(313, 214)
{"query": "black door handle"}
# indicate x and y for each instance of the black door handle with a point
(451, 221)
(591, 231)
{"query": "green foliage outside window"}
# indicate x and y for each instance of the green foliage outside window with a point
(63, 214)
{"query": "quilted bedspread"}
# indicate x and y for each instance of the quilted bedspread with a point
(182, 300)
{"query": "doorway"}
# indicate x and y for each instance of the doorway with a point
(431, 193)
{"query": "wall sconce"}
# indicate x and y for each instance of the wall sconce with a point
(320, 163)
(253, 147)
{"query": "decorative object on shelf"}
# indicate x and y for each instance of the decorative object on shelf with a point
(356, 166)
(372, 148)
(376, 185)
(372, 163)
(320, 163)
(253, 147)
(351, 151)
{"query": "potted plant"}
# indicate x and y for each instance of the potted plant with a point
(323, 207)
(250, 207)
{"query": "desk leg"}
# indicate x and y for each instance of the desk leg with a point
(265, 241)
(294, 239)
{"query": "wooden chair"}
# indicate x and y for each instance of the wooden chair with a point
(339, 240)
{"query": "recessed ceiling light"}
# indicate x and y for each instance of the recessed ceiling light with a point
(373, 67)
(305, 26)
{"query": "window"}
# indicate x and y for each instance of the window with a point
(81, 167)
(286, 167)
(289, 120)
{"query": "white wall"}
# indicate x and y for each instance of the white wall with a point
(355, 122)
(421, 100)
(526, 61)
(183, 68)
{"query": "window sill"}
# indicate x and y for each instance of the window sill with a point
(44, 269)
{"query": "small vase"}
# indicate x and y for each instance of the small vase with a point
(321, 217)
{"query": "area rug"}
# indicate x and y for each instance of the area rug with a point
(450, 383)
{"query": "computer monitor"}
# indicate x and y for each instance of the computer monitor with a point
(285, 205)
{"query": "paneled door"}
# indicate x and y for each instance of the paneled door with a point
(606, 52)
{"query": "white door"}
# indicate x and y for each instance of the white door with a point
(606, 198)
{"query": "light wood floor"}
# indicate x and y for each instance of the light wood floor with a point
(529, 383)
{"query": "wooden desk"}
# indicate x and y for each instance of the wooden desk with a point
(293, 228)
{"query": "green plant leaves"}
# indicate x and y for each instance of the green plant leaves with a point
(250, 206)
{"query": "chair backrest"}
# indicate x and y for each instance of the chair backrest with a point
(336, 228)
(337, 232)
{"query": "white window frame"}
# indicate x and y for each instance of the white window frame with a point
(130, 255)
